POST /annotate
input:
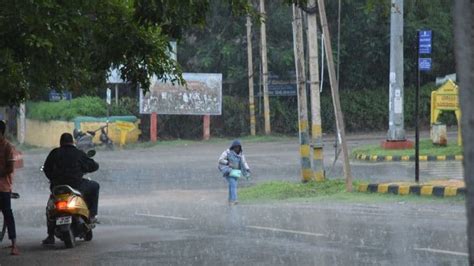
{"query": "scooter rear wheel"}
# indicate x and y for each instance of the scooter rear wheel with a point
(89, 236)
(69, 239)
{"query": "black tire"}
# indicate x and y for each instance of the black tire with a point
(109, 145)
(69, 239)
(89, 236)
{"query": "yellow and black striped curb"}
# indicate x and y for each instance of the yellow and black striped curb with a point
(423, 190)
(398, 158)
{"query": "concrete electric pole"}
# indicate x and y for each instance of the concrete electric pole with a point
(250, 74)
(396, 133)
(305, 150)
(464, 48)
(263, 38)
(341, 131)
(316, 129)
(22, 124)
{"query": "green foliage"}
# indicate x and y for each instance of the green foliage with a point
(126, 106)
(234, 120)
(365, 42)
(221, 46)
(367, 110)
(180, 126)
(72, 44)
(283, 115)
(218, 47)
(68, 110)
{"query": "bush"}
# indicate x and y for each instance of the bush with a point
(126, 106)
(234, 120)
(68, 110)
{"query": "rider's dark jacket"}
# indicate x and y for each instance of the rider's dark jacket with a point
(67, 165)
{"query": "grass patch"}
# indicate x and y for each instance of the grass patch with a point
(329, 190)
(282, 190)
(426, 148)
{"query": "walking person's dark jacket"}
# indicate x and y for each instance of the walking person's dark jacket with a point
(67, 165)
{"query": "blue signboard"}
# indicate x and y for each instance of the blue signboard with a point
(424, 64)
(283, 89)
(55, 96)
(424, 41)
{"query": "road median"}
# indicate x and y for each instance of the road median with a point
(428, 152)
(438, 188)
(334, 190)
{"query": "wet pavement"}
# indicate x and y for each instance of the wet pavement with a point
(166, 205)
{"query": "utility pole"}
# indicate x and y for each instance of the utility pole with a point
(305, 151)
(22, 124)
(250, 73)
(396, 133)
(266, 102)
(335, 95)
(316, 129)
(464, 48)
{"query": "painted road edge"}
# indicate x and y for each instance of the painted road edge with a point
(398, 158)
(420, 190)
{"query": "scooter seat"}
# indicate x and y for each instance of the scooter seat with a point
(64, 189)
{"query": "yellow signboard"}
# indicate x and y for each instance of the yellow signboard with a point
(446, 98)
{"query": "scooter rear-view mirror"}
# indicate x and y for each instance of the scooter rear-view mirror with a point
(91, 153)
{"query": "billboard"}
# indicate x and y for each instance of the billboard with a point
(202, 95)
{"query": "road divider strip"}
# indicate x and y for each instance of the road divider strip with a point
(406, 158)
(284, 230)
(440, 251)
(429, 189)
(162, 216)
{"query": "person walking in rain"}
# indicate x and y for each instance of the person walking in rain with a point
(7, 164)
(233, 165)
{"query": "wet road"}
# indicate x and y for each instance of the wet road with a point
(167, 206)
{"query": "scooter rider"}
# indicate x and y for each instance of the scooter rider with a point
(67, 165)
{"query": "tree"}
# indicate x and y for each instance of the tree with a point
(219, 46)
(464, 34)
(71, 45)
(364, 41)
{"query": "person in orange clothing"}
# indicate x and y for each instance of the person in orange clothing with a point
(7, 161)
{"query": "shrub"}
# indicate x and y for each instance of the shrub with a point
(68, 110)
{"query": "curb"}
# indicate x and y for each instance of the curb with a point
(420, 190)
(398, 158)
